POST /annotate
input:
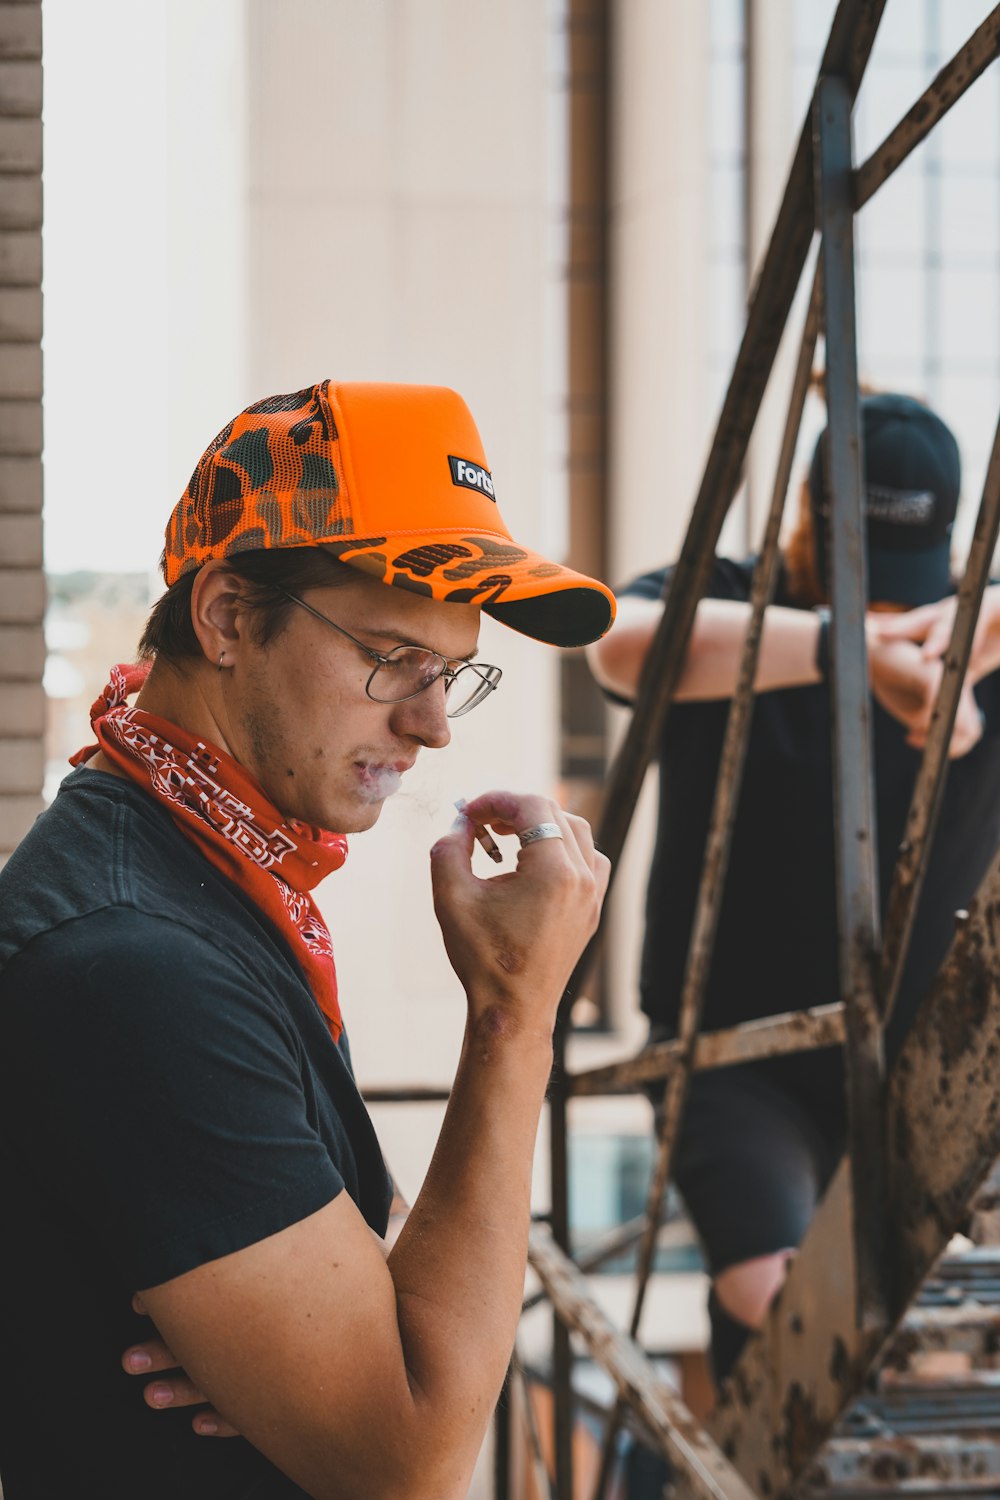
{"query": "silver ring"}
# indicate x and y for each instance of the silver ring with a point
(540, 831)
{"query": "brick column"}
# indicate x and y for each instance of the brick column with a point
(22, 581)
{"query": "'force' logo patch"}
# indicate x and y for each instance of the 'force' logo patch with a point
(472, 476)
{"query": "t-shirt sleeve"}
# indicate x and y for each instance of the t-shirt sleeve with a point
(729, 579)
(168, 1089)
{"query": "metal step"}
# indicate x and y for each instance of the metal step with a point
(911, 1466)
(919, 1431)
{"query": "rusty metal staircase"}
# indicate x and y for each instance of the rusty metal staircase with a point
(928, 1422)
(838, 1393)
(835, 1392)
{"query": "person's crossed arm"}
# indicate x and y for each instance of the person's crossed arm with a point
(930, 627)
(903, 677)
(169, 1386)
(361, 1376)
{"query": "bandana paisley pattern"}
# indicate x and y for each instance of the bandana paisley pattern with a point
(223, 811)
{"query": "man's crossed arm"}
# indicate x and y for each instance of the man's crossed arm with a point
(365, 1376)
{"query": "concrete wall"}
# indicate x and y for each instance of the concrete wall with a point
(364, 193)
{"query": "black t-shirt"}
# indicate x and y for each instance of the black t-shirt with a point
(776, 948)
(169, 1093)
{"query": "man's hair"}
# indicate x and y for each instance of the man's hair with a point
(169, 633)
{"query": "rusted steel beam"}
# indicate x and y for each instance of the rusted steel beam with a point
(854, 777)
(928, 789)
(944, 1106)
(740, 718)
(943, 1110)
(681, 1439)
(948, 86)
(536, 1458)
(586, 27)
(607, 1248)
(563, 1396)
(771, 1036)
(719, 841)
(847, 51)
(903, 1464)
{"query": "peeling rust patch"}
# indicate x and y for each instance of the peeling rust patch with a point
(959, 1024)
(840, 1362)
(803, 1429)
(905, 1345)
(886, 1469)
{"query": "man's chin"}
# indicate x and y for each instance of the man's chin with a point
(364, 817)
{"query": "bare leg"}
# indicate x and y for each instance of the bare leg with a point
(747, 1289)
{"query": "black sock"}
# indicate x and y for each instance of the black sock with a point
(728, 1338)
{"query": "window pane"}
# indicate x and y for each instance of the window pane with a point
(886, 95)
(902, 33)
(812, 27)
(970, 131)
(891, 316)
(970, 310)
(954, 21)
(727, 24)
(728, 305)
(725, 122)
(970, 217)
(727, 210)
(893, 222)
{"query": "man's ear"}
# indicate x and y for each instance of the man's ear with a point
(217, 616)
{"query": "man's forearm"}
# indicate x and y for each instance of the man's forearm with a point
(458, 1265)
(787, 652)
(712, 661)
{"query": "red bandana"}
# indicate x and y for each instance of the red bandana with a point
(215, 804)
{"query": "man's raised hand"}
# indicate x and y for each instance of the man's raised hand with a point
(514, 938)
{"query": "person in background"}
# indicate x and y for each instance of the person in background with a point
(759, 1141)
(188, 1170)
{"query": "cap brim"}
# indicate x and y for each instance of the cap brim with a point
(521, 589)
(911, 578)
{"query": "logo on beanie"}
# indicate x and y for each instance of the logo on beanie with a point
(901, 507)
(472, 476)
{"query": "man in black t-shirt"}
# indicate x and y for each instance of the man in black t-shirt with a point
(181, 1139)
(758, 1142)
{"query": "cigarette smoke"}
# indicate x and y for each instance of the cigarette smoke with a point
(379, 782)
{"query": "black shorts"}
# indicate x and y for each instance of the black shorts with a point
(751, 1161)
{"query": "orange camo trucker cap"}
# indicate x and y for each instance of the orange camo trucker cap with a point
(391, 479)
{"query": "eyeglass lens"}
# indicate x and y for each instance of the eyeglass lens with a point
(411, 669)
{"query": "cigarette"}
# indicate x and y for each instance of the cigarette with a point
(483, 838)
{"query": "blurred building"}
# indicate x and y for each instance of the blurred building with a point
(555, 206)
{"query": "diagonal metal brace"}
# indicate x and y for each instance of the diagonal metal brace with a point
(682, 1440)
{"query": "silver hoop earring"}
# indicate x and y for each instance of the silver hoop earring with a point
(222, 657)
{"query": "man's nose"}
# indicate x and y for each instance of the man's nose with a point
(424, 718)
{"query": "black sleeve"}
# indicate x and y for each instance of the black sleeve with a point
(728, 579)
(166, 1089)
(987, 693)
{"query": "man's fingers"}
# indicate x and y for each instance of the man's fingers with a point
(143, 1359)
(175, 1390)
(210, 1424)
(937, 639)
(178, 1391)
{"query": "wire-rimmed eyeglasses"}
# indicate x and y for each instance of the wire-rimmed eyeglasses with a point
(408, 670)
